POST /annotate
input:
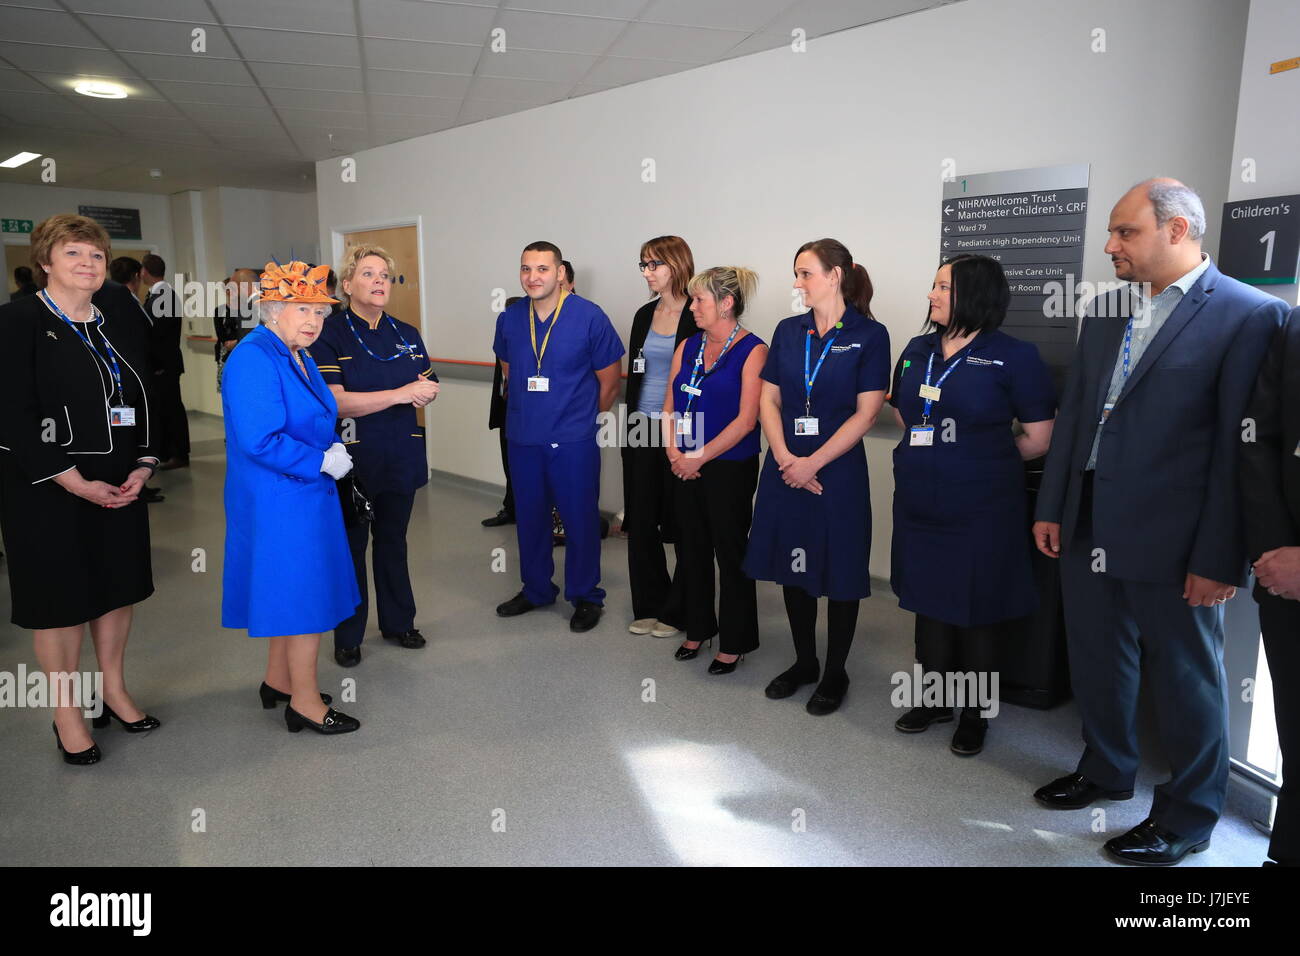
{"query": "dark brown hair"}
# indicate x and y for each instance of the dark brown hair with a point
(543, 246)
(855, 286)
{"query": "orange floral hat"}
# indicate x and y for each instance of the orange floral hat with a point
(294, 282)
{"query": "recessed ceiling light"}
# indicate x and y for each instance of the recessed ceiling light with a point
(101, 89)
(17, 159)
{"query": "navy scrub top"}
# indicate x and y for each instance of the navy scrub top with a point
(388, 445)
(582, 343)
(961, 546)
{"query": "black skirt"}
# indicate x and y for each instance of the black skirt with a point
(71, 561)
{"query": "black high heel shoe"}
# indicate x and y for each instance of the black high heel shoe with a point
(722, 667)
(144, 724)
(81, 758)
(335, 722)
(685, 653)
(270, 696)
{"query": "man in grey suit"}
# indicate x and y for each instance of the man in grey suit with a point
(1139, 500)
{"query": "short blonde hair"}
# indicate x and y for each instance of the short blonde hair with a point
(62, 228)
(722, 281)
(354, 255)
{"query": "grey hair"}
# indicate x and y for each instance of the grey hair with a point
(1171, 200)
(266, 311)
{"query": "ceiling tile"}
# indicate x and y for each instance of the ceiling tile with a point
(72, 121)
(414, 105)
(195, 69)
(747, 15)
(260, 115)
(759, 43)
(475, 110)
(540, 31)
(618, 9)
(399, 124)
(427, 57)
(61, 59)
(323, 119)
(189, 11)
(158, 36)
(317, 99)
(25, 106)
(443, 22)
(819, 17)
(283, 46)
(225, 94)
(15, 81)
(517, 90)
(320, 16)
(619, 71)
(53, 26)
(657, 41)
(298, 76)
(536, 65)
(109, 109)
(417, 84)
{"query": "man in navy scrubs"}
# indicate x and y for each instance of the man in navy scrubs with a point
(561, 358)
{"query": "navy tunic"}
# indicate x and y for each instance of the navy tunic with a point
(387, 446)
(821, 543)
(961, 547)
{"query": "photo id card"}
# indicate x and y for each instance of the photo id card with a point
(922, 435)
(638, 365)
(805, 426)
(539, 383)
(121, 415)
(931, 392)
(684, 426)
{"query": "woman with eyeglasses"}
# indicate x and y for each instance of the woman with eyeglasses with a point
(658, 328)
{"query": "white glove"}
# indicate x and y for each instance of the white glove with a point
(337, 461)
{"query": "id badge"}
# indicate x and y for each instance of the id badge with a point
(121, 415)
(922, 435)
(684, 426)
(931, 392)
(1105, 412)
(697, 392)
(638, 365)
(539, 383)
(805, 426)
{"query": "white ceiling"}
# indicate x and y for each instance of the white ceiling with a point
(286, 82)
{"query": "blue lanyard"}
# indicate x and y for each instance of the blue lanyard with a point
(929, 368)
(1128, 343)
(85, 339)
(807, 356)
(696, 374)
(406, 348)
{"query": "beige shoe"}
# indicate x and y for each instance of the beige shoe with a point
(663, 630)
(642, 625)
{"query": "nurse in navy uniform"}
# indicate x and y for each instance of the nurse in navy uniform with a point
(824, 385)
(379, 371)
(76, 447)
(961, 547)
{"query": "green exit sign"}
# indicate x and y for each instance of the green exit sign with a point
(16, 225)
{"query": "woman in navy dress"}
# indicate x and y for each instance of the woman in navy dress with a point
(961, 548)
(287, 575)
(380, 373)
(710, 429)
(824, 385)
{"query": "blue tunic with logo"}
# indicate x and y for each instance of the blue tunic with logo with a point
(820, 543)
(387, 446)
(961, 547)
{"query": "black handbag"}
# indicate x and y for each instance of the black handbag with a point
(357, 508)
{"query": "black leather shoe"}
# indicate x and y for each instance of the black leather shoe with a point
(585, 616)
(335, 722)
(409, 639)
(81, 758)
(1150, 844)
(787, 682)
(685, 653)
(722, 667)
(969, 737)
(347, 657)
(144, 724)
(828, 696)
(270, 696)
(498, 519)
(919, 718)
(1074, 791)
(515, 606)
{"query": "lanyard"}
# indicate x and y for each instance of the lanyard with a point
(111, 363)
(406, 348)
(1128, 344)
(532, 328)
(699, 373)
(807, 356)
(929, 368)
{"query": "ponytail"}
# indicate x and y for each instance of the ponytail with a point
(855, 286)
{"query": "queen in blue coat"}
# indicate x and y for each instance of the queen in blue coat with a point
(288, 572)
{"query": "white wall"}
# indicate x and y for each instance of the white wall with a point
(1268, 130)
(23, 201)
(757, 155)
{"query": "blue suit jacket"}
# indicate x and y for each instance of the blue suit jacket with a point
(1165, 499)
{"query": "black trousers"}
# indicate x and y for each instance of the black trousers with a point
(713, 516)
(392, 576)
(648, 520)
(1279, 619)
(947, 649)
(170, 420)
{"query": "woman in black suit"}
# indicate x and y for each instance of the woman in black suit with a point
(662, 324)
(75, 450)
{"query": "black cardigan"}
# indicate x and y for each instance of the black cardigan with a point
(46, 374)
(686, 327)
